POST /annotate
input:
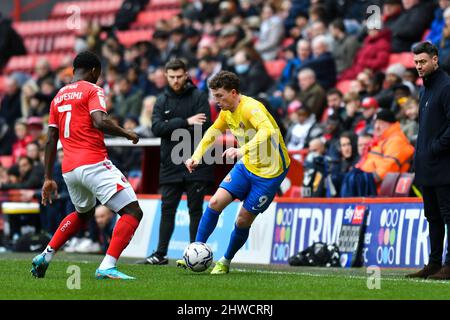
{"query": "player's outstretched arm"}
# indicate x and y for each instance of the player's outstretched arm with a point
(50, 188)
(102, 122)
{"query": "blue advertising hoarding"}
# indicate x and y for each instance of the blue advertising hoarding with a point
(180, 238)
(396, 235)
(299, 225)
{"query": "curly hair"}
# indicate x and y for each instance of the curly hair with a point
(226, 80)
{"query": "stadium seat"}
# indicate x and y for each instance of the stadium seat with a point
(130, 37)
(64, 9)
(2, 84)
(425, 34)
(295, 175)
(343, 86)
(388, 186)
(6, 161)
(404, 185)
(404, 58)
(293, 192)
(135, 183)
(163, 4)
(213, 110)
(275, 67)
(149, 18)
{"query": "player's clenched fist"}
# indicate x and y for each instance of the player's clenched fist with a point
(191, 164)
(133, 136)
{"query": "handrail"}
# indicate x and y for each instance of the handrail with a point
(18, 9)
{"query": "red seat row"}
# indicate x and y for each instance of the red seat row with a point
(275, 67)
(404, 58)
(51, 43)
(163, 4)
(45, 27)
(130, 37)
(150, 18)
(27, 63)
(64, 9)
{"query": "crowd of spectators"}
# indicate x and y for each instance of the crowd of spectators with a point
(322, 43)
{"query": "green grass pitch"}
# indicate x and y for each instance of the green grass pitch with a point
(244, 282)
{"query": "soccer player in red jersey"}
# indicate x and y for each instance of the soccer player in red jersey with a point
(79, 119)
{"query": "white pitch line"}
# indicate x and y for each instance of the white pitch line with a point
(330, 275)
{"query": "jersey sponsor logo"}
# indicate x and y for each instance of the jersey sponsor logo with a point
(64, 108)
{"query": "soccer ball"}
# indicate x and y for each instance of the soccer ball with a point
(198, 256)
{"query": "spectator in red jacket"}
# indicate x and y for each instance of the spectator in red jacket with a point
(19, 147)
(373, 55)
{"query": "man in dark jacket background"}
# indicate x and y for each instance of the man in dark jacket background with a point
(410, 25)
(181, 106)
(432, 157)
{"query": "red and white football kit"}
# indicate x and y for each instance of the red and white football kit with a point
(86, 169)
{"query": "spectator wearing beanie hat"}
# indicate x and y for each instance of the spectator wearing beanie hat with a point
(392, 151)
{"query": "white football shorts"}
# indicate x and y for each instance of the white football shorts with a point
(102, 181)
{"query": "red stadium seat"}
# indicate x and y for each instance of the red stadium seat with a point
(135, 183)
(293, 192)
(425, 34)
(295, 175)
(150, 18)
(2, 84)
(344, 86)
(275, 67)
(130, 37)
(166, 4)
(404, 58)
(64, 9)
(387, 188)
(213, 110)
(404, 185)
(6, 161)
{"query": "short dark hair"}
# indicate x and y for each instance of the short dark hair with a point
(86, 60)
(335, 91)
(175, 64)
(226, 80)
(338, 24)
(426, 47)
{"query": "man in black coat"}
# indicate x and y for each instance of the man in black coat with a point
(409, 27)
(432, 157)
(179, 111)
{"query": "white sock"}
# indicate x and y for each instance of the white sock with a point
(108, 262)
(48, 253)
(225, 261)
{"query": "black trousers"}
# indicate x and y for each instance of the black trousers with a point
(170, 197)
(436, 203)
